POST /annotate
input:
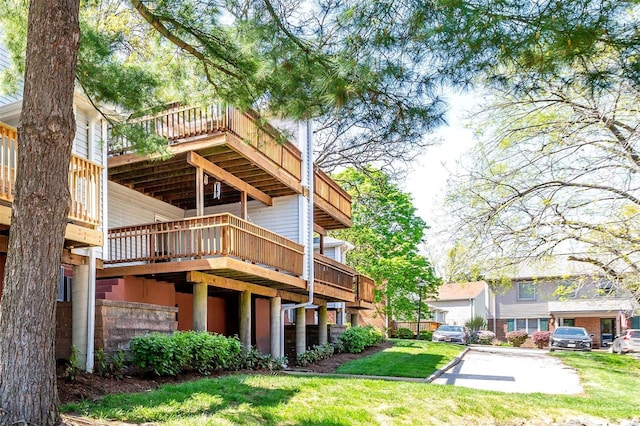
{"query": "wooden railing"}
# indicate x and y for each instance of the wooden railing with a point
(177, 124)
(84, 179)
(215, 235)
(332, 193)
(365, 288)
(330, 272)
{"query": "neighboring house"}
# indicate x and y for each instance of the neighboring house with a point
(547, 294)
(457, 303)
(215, 238)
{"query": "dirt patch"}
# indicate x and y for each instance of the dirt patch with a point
(92, 387)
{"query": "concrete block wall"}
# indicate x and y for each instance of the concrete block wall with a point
(118, 322)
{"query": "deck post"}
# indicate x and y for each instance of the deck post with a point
(79, 310)
(354, 319)
(276, 305)
(322, 324)
(245, 320)
(200, 306)
(301, 330)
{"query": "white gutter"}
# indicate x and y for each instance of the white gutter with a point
(307, 186)
(91, 309)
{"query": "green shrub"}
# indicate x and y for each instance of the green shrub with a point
(315, 354)
(541, 339)
(483, 337)
(109, 366)
(516, 338)
(168, 355)
(476, 323)
(156, 352)
(355, 339)
(425, 335)
(404, 333)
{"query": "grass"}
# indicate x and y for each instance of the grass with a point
(611, 383)
(407, 358)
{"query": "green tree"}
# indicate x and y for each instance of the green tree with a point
(387, 234)
(555, 173)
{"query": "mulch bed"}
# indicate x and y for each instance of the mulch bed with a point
(92, 387)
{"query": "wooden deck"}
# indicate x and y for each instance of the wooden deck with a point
(226, 246)
(256, 154)
(84, 187)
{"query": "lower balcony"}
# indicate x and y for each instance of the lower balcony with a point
(232, 250)
(84, 187)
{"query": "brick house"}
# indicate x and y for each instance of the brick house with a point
(543, 296)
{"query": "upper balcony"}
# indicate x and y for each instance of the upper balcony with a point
(257, 156)
(84, 187)
(229, 247)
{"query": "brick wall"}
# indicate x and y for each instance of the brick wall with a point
(118, 322)
(63, 330)
(592, 325)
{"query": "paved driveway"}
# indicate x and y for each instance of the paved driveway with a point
(512, 370)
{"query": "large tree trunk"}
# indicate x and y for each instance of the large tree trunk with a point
(28, 392)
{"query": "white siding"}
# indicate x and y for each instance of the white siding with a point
(129, 207)
(81, 141)
(282, 218)
(5, 62)
(458, 311)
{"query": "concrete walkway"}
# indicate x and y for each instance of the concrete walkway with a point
(512, 370)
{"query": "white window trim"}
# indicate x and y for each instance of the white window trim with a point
(527, 298)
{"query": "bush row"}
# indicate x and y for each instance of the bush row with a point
(355, 339)
(315, 354)
(168, 355)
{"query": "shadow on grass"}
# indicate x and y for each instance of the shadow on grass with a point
(190, 400)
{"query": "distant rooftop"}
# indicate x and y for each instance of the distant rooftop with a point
(460, 291)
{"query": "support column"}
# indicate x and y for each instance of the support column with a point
(80, 297)
(200, 306)
(339, 316)
(245, 320)
(276, 336)
(354, 319)
(322, 324)
(301, 331)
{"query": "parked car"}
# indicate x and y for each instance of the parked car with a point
(570, 338)
(451, 333)
(629, 341)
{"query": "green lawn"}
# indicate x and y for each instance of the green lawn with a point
(611, 383)
(407, 358)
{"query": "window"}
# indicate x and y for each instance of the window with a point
(530, 325)
(526, 291)
(64, 287)
(569, 322)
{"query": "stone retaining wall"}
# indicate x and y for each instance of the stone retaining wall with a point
(118, 322)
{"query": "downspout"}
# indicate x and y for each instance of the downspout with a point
(91, 309)
(307, 185)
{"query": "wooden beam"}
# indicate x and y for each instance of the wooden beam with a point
(211, 264)
(73, 233)
(331, 292)
(300, 298)
(243, 206)
(83, 236)
(199, 191)
(180, 148)
(332, 211)
(319, 230)
(219, 173)
(230, 284)
(265, 164)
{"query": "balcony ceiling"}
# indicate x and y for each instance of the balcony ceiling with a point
(173, 181)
